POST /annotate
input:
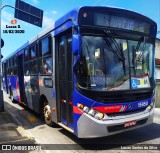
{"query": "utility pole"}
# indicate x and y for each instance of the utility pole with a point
(1, 92)
(1, 44)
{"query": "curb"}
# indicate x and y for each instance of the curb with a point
(20, 129)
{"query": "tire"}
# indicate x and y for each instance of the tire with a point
(11, 96)
(47, 114)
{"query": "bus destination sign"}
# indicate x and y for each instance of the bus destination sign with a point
(120, 22)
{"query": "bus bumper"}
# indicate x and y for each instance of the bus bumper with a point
(89, 127)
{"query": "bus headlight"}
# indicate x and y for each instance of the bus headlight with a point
(81, 106)
(86, 109)
(99, 116)
(149, 108)
(90, 111)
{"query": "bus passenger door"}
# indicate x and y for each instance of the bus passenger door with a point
(31, 77)
(65, 79)
(21, 77)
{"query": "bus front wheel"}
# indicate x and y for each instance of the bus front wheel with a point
(47, 114)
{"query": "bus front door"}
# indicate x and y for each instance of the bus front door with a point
(64, 68)
(21, 78)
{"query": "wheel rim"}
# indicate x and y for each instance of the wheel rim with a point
(47, 114)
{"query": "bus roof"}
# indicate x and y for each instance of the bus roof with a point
(119, 10)
(73, 16)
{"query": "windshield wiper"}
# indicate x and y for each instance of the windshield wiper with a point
(118, 51)
(138, 45)
(144, 47)
(136, 58)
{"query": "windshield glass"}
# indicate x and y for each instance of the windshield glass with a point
(141, 64)
(107, 65)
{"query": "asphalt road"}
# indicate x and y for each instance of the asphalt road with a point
(43, 134)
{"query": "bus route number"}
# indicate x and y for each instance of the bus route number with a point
(143, 104)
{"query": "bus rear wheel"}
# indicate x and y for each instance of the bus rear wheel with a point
(11, 96)
(47, 114)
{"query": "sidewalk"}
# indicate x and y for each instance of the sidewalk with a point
(11, 132)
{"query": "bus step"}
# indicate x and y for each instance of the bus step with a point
(66, 127)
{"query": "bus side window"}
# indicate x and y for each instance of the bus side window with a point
(10, 62)
(32, 52)
(11, 71)
(33, 66)
(7, 68)
(14, 60)
(45, 58)
(14, 70)
(46, 49)
(26, 56)
(3, 69)
(26, 69)
(40, 49)
(46, 65)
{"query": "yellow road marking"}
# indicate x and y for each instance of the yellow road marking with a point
(32, 118)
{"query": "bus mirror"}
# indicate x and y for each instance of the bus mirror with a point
(75, 44)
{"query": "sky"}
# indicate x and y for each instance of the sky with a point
(54, 9)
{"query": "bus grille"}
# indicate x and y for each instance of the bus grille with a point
(117, 96)
(123, 97)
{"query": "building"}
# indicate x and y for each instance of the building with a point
(157, 56)
(157, 68)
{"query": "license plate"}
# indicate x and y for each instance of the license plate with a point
(130, 123)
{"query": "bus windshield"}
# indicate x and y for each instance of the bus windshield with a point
(104, 67)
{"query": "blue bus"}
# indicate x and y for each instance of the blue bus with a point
(92, 72)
